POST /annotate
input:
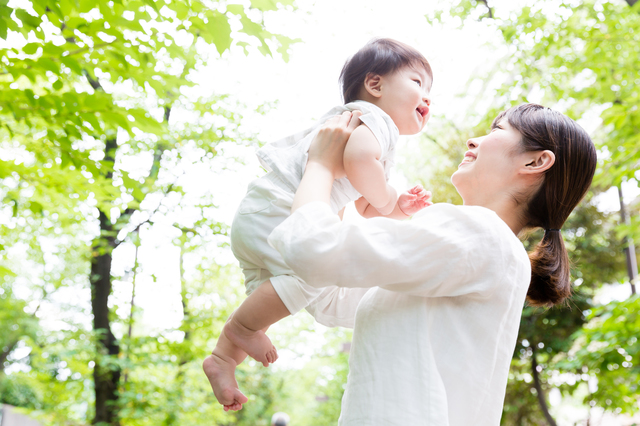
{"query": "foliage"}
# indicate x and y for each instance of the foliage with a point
(89, 157)
(608, 348)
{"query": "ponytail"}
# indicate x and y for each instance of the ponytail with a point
(563, 186)
(550, 277)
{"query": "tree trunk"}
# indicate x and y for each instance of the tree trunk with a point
(630, 249)
(133, 302)
(172, 417)
(537, 385)
(5, 354)
(106, 375)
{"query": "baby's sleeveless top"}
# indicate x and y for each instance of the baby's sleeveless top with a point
(288, 157)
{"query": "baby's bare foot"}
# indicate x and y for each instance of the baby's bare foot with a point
(221, 375)
(255, 343)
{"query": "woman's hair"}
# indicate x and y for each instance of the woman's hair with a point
(379, 57)
(564, 185)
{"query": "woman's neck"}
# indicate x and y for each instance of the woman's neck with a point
(506, 209)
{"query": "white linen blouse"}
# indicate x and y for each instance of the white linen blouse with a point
(435, 334)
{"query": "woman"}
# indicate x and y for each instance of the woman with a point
(434, 336)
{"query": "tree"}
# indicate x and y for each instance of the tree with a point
(89, 86)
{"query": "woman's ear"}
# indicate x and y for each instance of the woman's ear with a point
(539, 161)
(373, 85)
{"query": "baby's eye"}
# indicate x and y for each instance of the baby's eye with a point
(418, 82)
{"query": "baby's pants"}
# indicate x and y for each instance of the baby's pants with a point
(266, 205)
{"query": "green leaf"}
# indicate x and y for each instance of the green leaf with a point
(181, 9)
(49, 65)
(153, 4)
(51, 49)
(7, 272)
(36, 207)
(27, 19)
(72, 63)
(40, 6)
(31, 48)
(3, 29)
(5, 11)
(133, 185)
(56, 10)
(264, 4)
(116, 120)
(236, 9)
(256, 30)
(92, 120)
(219, 28)
(86, 6)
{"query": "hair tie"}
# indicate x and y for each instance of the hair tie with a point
(551, 230)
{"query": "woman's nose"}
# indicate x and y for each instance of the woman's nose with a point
(472, 143)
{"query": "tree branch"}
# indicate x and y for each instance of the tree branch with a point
(631, 2)
(486, 3)
(538, 386)
(5, 354)
(86, 49)
(137, 228)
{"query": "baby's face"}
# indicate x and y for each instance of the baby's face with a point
(406, 97)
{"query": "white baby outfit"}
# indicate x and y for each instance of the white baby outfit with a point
(268, 202)
(435, 333)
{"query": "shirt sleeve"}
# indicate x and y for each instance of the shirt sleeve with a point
(442, 253)
(336, 306)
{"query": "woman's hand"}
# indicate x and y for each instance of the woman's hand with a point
(327, 148)
(325, 160)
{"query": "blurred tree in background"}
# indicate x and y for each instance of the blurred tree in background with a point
(87, 92)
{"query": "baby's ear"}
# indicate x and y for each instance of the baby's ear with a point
(373, 84)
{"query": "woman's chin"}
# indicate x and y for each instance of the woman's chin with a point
(458, 181)
(456, 177)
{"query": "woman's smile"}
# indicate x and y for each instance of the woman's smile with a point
(469, 157)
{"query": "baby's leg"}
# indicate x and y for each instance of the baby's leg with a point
(220, 369)
(246, 327)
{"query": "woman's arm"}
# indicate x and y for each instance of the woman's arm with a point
(448, 251)
(336, 306)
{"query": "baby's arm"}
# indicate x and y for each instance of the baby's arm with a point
(409, 203)
(366, 173)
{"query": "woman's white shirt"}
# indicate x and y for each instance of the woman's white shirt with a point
(435, 335)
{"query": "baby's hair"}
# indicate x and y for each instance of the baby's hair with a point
(380, 56)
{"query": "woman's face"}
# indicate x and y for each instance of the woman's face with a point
(490, 166)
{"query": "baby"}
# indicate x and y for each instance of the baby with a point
(389, 83)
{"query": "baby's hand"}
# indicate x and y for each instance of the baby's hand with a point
(414, 200)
